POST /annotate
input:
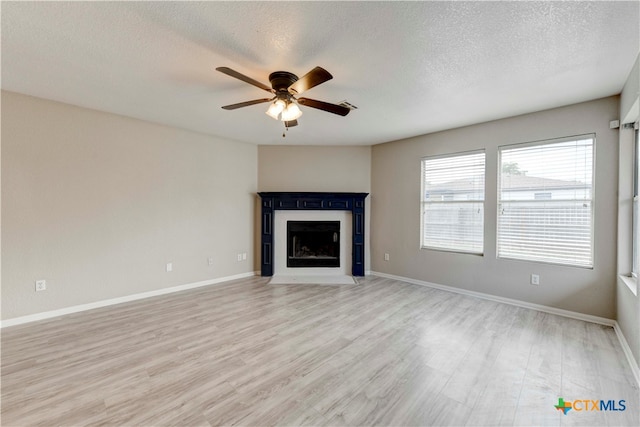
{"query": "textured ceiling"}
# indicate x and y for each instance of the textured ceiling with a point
(411, 67)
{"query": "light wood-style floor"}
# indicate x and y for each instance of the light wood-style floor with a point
(379, 353)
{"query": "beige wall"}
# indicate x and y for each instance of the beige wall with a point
(628, 302)
(630, 96)
(395, 210)
(97, 204)
(316, 168)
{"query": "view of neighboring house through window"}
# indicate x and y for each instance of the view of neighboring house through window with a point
(453, 202)
(545, 201)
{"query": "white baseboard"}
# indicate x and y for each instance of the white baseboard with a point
(113, 301)
(538, 307)
(627, 352)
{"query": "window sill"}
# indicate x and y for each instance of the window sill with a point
(631, 283)
(455, 251)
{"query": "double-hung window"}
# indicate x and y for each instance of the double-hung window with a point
(556, 228)
(453, 202)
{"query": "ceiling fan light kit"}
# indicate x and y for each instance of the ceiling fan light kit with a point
(285, 86)
(292, 112)
(276, 108)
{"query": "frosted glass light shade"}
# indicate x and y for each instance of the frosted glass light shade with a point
(292, 112)
(276, 108)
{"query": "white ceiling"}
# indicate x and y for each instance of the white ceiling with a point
(411, 67)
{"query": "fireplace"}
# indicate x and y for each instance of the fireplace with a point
(313, 244)
(278, 208)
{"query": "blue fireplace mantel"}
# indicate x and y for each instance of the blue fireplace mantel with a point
(272, 201)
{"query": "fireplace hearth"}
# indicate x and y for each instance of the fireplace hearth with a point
(313, 244)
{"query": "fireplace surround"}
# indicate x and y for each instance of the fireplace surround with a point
(300, 201)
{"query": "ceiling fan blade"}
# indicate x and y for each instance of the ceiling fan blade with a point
(325, 106)
(247, 103)
(291, 123)
(313, 78)
(233, 73)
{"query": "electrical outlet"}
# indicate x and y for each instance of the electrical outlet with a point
(210, 261)
(41, 285)
(535, 279)
(386, 257)
(169, 267)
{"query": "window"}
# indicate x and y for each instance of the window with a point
(636, 207)
(542, 196)
(453, 202)
(558, 227)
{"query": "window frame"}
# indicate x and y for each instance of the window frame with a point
(635, 210)
(481, 202)
(499, 200)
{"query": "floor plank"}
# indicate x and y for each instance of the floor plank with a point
(382, 352)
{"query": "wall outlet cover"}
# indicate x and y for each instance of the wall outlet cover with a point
(41, 285)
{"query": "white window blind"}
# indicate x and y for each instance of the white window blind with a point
(559, 227)
(453, 202)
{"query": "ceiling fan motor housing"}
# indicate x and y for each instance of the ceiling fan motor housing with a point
(281, 80)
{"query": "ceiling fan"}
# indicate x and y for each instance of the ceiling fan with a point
(285, 87)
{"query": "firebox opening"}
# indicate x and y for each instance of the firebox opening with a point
(313, 244)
